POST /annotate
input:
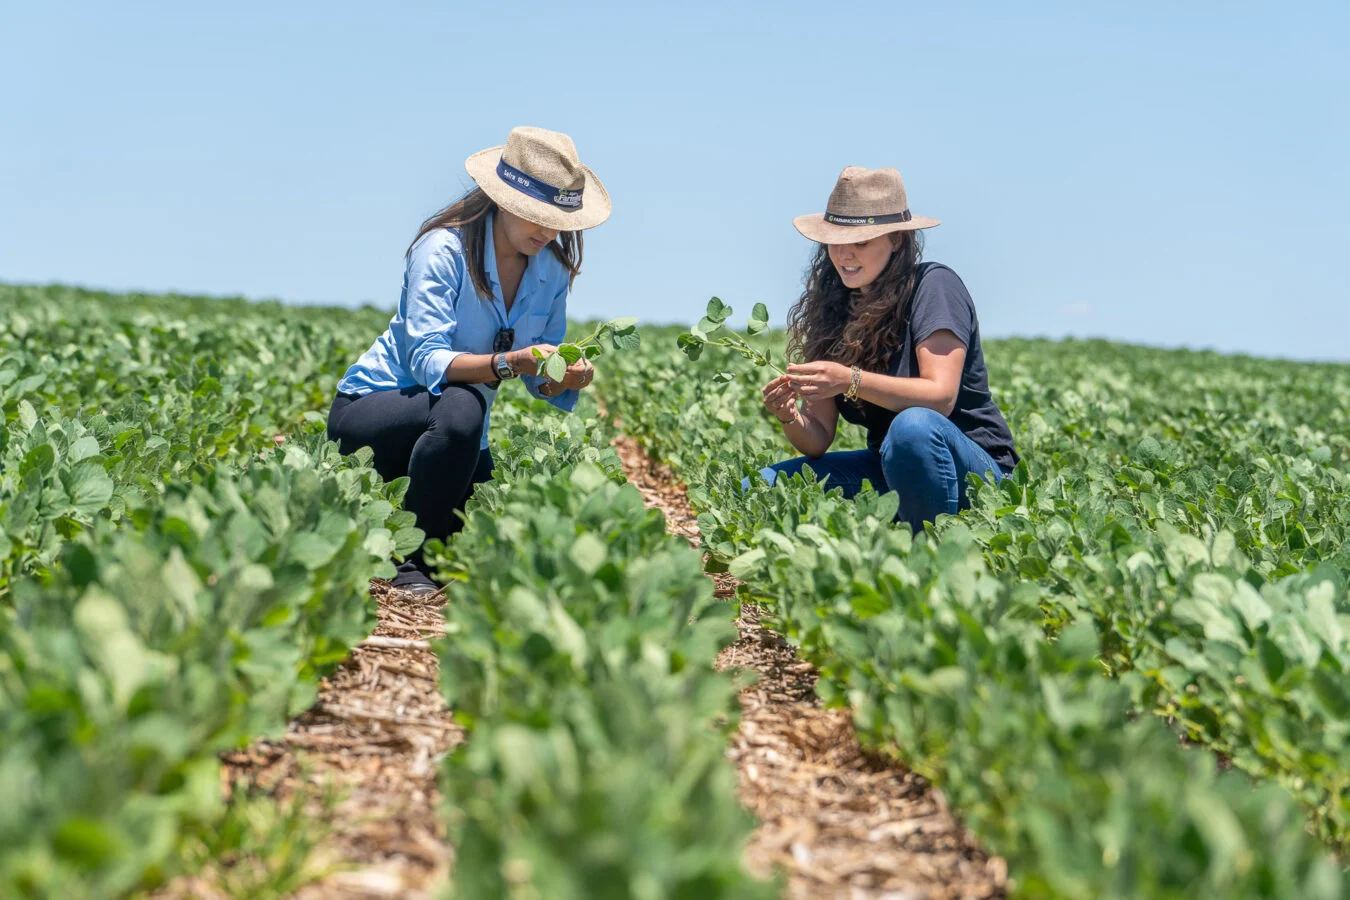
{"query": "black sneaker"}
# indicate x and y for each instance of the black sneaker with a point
(413, 579)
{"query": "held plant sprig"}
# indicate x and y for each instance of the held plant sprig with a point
(712, 331)
(616, 334)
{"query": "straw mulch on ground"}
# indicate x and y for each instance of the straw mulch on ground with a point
(373, 740)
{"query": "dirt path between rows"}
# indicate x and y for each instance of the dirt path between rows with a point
(841, 823)
(375, 738)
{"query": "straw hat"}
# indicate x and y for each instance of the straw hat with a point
(537, 176)
(864, 204)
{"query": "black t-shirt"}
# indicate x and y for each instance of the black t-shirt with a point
(941, 301)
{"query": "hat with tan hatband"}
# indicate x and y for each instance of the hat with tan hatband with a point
(538, 176)
(864, 204)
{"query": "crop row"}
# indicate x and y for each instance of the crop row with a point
(154, 647)
(579, 656)
(172, 583)
(133, 392)
(1130, 546)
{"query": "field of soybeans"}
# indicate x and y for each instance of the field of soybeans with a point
(1124, 672)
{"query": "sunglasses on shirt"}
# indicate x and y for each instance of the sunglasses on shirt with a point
(503, 341)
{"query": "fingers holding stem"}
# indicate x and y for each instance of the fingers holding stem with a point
(781, 399)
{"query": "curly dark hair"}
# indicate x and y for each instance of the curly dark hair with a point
(855, 328)
(469, 215)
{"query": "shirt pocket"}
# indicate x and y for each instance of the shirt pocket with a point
(530, 329)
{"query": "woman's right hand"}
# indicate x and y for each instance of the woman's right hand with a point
(525, 362)
(781, 400)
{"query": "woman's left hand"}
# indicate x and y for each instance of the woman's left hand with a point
(819, 380)
(579, 375)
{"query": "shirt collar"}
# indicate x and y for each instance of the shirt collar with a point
(533, 265)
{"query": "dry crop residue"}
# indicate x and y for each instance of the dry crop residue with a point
(842, 823)
(375, 736)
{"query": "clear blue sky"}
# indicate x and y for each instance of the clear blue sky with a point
(1167, 173)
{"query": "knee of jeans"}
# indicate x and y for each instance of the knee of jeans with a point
(911, 432)
(458, 416)
(768, 473)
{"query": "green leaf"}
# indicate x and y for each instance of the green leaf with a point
(90, 488)
(1332, 694)
(1253, 608)
(407, 539)
(747, 564)
(102, 622)
(40, 459)
(1216, 821)
(588, 478)
(1322, 615)
(84, 448)
(759, 319)
(623, 323)
(626, 340)
(589, 553)
(380, 543)
(312, 550)
(86, 842)
(691, 345)
(555, 367)
(718, 311)
(570, 352)
(27, 415)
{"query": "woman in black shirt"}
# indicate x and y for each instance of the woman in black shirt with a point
(891, 344)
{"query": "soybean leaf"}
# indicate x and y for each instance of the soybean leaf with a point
(555, 367)
(718, 311)
(89, 487)
(759, 319)
(691, 345)
(627, 339)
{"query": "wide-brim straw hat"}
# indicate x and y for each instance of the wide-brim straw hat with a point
(538, 176)
(864, 204)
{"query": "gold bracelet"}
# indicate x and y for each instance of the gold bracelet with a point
(854, 385)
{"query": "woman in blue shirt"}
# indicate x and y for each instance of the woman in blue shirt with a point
(485, 285)
(892, 344)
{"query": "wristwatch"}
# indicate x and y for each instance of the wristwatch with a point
(502, 367)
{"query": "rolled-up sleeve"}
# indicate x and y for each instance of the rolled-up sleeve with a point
(554, 332)
(435, 274)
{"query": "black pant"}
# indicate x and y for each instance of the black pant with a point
(433, 439)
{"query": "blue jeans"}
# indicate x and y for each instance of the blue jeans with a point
(924, 458)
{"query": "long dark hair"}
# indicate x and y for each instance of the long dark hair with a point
(856, 328)
(469, 216)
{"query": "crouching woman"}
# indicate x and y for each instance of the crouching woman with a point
(485, 285)
(893, 345)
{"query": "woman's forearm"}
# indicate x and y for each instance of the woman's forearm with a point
(807, 435)
(477, 368)
(897, 393)
(471, 368)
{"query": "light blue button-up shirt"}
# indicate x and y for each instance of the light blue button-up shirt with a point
(441, 315)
